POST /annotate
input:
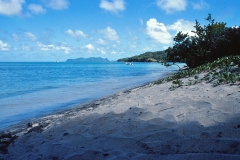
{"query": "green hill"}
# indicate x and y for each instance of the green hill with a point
(146, 57)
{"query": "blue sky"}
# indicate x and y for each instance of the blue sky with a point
(50, 30)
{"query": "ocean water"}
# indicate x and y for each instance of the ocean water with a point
(29, 90)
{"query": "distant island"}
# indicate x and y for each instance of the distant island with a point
(91, 59)
(146, 57)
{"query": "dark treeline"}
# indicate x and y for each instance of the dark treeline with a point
(146, 57)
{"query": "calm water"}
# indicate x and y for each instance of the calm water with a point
(29, 90)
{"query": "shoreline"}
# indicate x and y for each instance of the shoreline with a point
(76, 107)
(51, 94)
(147, 121)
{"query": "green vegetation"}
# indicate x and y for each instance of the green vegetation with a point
(212, 54)
(221, 71)
(210, 42)
(146, 57)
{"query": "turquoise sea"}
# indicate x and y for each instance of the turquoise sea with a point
(29, 90)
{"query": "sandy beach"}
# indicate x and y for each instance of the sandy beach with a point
(149, 122)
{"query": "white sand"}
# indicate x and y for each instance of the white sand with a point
(150, 122)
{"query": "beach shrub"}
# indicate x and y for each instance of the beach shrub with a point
(210, 42)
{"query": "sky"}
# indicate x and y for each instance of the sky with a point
(50, 30)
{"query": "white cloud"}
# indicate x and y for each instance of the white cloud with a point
(171, 6)
(15, 37)
(62, 47)
(77, 33)
(201, 5)
(182, 25)
(101, 50)
(80, 33)
(114, 6)
(30, 36)
(89, 47)
(57, 4)
(110, 34)
(11, 7)
(44, 47)
(36, 8)
(158, 31)
(4, 46)
(101, 41)
(70, 32)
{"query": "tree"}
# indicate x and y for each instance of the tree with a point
(228, 43)
(204, 46)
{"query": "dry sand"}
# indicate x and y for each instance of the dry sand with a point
(149, 122)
